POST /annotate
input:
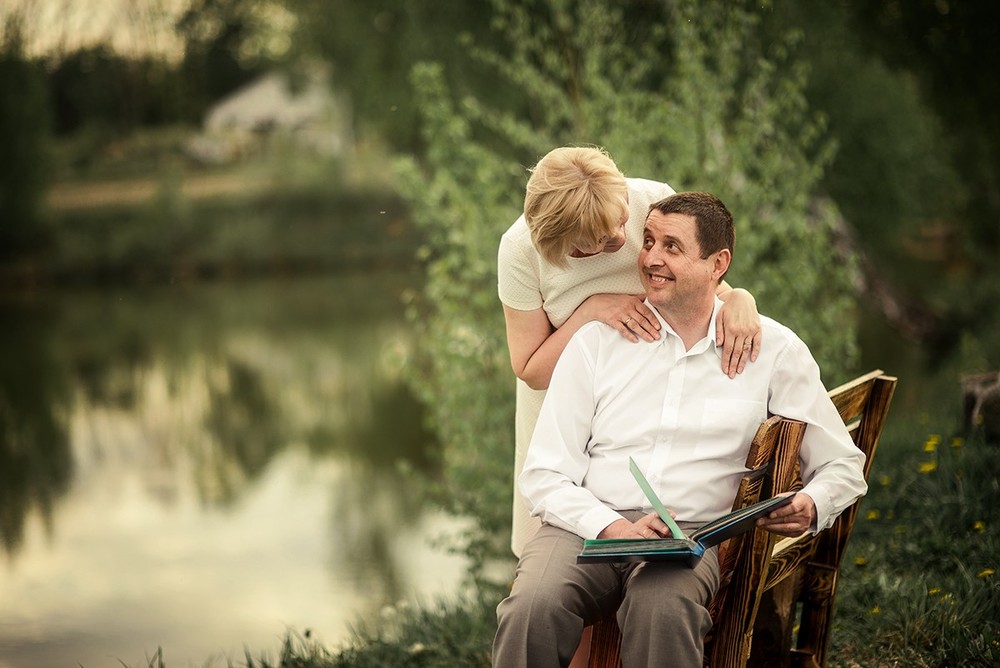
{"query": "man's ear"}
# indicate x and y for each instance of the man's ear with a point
(722, 260)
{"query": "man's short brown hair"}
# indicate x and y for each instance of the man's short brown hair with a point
(713, 222)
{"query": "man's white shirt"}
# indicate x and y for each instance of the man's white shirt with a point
(687, 425)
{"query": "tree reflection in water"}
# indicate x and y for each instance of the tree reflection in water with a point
(194, 394)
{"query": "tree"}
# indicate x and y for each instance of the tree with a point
(687, 96)
(373, 44)
(24, 131)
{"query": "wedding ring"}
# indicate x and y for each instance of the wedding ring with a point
(627, 321)
(748, 344)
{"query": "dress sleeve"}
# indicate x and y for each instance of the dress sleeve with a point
(518, 282)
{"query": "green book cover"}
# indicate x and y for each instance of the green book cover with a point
(678, 547)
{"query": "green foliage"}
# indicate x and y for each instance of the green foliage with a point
(25, 132)
(95, 87)
(892, 170)
(721, 120)
(226, 44)
(374, 43)
(462, 372)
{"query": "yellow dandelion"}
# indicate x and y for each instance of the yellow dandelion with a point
(884, 481)
(874, 611)
(872, 515)
(930, 445)
(957, 441)
(928, 467)
(979, 526)
(860, 562)
(986, 572)
(934, 591)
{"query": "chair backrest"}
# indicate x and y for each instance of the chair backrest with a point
(803, 572)
(758, 561)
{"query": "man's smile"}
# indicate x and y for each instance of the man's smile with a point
(658, 278)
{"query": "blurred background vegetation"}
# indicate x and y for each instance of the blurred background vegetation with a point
(857, 142)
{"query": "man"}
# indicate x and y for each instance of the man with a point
(667, 404)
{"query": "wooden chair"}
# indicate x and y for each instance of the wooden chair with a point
(783, 573)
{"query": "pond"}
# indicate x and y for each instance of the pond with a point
(205, 468)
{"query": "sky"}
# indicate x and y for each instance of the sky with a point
(130, 26)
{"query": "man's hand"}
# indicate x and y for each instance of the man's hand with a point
(650, 526)
(792, 519)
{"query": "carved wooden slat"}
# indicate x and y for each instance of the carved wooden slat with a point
(606, 644)
(789, 558)
(734, 618)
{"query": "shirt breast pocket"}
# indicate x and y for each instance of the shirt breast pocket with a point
(728, 426)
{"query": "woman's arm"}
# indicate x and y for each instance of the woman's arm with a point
(535, 345)
(737, 329)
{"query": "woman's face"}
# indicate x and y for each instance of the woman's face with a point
(611, 242)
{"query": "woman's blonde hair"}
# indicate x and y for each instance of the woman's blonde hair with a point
(575, 197)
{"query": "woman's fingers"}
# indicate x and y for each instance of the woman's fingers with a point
(645, 323)
(633, 319)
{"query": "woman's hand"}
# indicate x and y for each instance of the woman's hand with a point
(737, 330)
(535, 345)
(626, 313)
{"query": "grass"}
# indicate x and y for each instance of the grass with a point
(919, 584)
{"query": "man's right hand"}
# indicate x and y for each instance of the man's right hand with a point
(650, 526)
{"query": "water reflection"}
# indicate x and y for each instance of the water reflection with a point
(203, 468)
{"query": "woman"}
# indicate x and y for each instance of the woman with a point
(572, 258)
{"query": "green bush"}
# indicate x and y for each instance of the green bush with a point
(721, 120)
(25, 132)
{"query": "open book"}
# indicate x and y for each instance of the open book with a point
(678, 547)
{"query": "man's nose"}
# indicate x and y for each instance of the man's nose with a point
(652, 258)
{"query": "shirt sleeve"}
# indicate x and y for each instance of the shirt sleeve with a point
(832, 466)
(557, 458)
(518, 283)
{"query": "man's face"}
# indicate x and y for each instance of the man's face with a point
(673, 272)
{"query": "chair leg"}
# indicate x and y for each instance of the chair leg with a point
(819, 590)
(772, 632)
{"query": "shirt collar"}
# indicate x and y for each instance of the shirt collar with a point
(709, 333)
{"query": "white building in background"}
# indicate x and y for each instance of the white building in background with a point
(305, 110)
